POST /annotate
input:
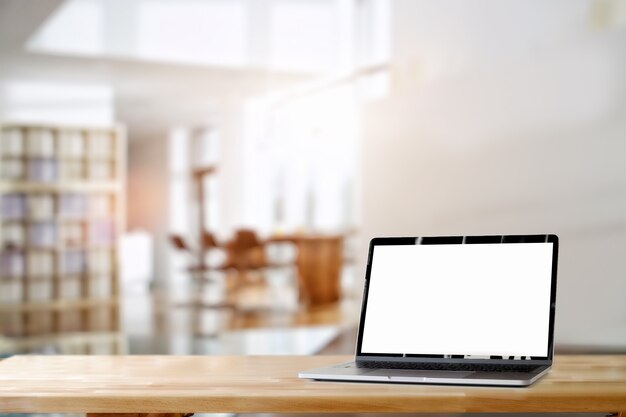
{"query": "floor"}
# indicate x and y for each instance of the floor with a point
(155, 324)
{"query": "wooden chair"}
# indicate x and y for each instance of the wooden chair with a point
(244, 267)
(197, 256)
(248, 262)
(202, 273)
(245, 252)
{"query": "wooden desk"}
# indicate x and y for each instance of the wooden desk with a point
(166, 384)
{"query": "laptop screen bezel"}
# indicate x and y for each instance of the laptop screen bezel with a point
(486, 239)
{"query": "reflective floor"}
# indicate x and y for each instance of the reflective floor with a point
(154, 324)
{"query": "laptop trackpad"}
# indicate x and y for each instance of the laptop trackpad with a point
(410, 373)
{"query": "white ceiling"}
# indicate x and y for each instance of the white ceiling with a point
(281, 35)
(151, 95)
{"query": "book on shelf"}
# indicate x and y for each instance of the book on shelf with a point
(40, 264)
(41, 206)
(13, 170)
(71, 234)
(73, 206)
(13, 235)
(71, 143)
(100, 171)
(10, 292)
(12, 263)
(100, 206)
(74, 261)
(40, 290)
(100, 144)
(70, 289)
(12, 206)
(100, 287)
(43, 234)
(43, 169)
(100, 261)
(12, 142)
(71, 170)
(101, 232)
(40, 142)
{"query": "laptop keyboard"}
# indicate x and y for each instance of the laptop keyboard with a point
(427, 366)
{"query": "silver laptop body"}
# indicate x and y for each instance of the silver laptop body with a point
(469, 310)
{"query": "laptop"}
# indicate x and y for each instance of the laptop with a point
(470, 310)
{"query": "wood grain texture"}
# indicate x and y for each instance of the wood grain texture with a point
(139, 414)
(175, 384)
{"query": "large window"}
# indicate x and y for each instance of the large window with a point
(300, 161)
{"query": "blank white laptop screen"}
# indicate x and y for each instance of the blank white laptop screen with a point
(464, 299)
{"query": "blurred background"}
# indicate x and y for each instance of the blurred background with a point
(203, 176)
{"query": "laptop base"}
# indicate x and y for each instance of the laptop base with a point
(348, 371)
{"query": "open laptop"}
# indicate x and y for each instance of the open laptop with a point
(475, 310)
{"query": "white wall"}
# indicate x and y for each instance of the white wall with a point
(56, 102)
(503, 131)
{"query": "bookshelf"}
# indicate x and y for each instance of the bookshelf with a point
(61, 216)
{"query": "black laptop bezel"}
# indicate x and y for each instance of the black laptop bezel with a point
(434, 240)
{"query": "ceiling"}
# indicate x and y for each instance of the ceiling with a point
(150, 96)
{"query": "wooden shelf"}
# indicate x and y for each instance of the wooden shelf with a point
(60, 219)
(48, 249)
(68, 127)
(41, 278)
(57, 305)
(60, 277)
(54, 187)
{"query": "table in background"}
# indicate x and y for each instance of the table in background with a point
(319, 262)
(244, 384)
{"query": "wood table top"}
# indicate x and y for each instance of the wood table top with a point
(162, 384)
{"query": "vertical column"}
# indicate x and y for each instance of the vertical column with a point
(230, 193)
